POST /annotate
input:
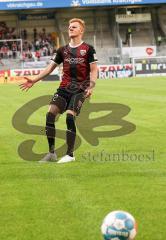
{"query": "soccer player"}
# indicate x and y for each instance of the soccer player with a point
(78, 80)
(6, 77)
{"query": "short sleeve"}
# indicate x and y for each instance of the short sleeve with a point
(57, 56)
(92, 55)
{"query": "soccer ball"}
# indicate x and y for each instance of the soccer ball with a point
(119, 225)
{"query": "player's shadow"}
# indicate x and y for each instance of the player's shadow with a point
(85, 125)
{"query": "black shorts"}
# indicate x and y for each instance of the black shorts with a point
(65, 100)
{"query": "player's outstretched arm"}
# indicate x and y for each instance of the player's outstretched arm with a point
(93, 78)
(29, 82)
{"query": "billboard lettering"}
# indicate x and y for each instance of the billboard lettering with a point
(32, 4)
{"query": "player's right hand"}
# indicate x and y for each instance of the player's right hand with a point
(26, 85)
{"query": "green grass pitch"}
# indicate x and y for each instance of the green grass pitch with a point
(69, 202)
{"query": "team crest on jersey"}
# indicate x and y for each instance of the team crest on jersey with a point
(82, 52)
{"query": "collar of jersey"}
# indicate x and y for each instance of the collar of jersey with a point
(76, 45)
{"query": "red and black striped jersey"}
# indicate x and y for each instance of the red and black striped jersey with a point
(76, 63)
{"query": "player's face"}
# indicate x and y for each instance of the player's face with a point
(75, 30)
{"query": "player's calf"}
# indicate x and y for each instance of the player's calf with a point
(50, 131)
(70, 134)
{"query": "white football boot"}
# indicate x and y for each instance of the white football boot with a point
(66, 159)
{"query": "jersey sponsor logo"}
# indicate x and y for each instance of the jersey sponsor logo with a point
(75, 60)
(83, 52)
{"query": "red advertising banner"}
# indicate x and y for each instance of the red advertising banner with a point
(17, 75)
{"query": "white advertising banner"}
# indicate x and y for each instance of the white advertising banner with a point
(145, 51)
(104, 72)
(39, 64)
(133, 18)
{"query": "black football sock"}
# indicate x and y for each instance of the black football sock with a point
(70, 134)
(50, 131)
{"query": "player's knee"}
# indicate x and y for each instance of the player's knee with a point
(71, 112)
(70, 122)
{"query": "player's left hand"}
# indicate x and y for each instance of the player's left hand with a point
(88, 92)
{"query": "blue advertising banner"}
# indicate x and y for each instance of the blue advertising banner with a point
(30, 4)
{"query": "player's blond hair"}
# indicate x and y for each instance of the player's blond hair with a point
(80, 21)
